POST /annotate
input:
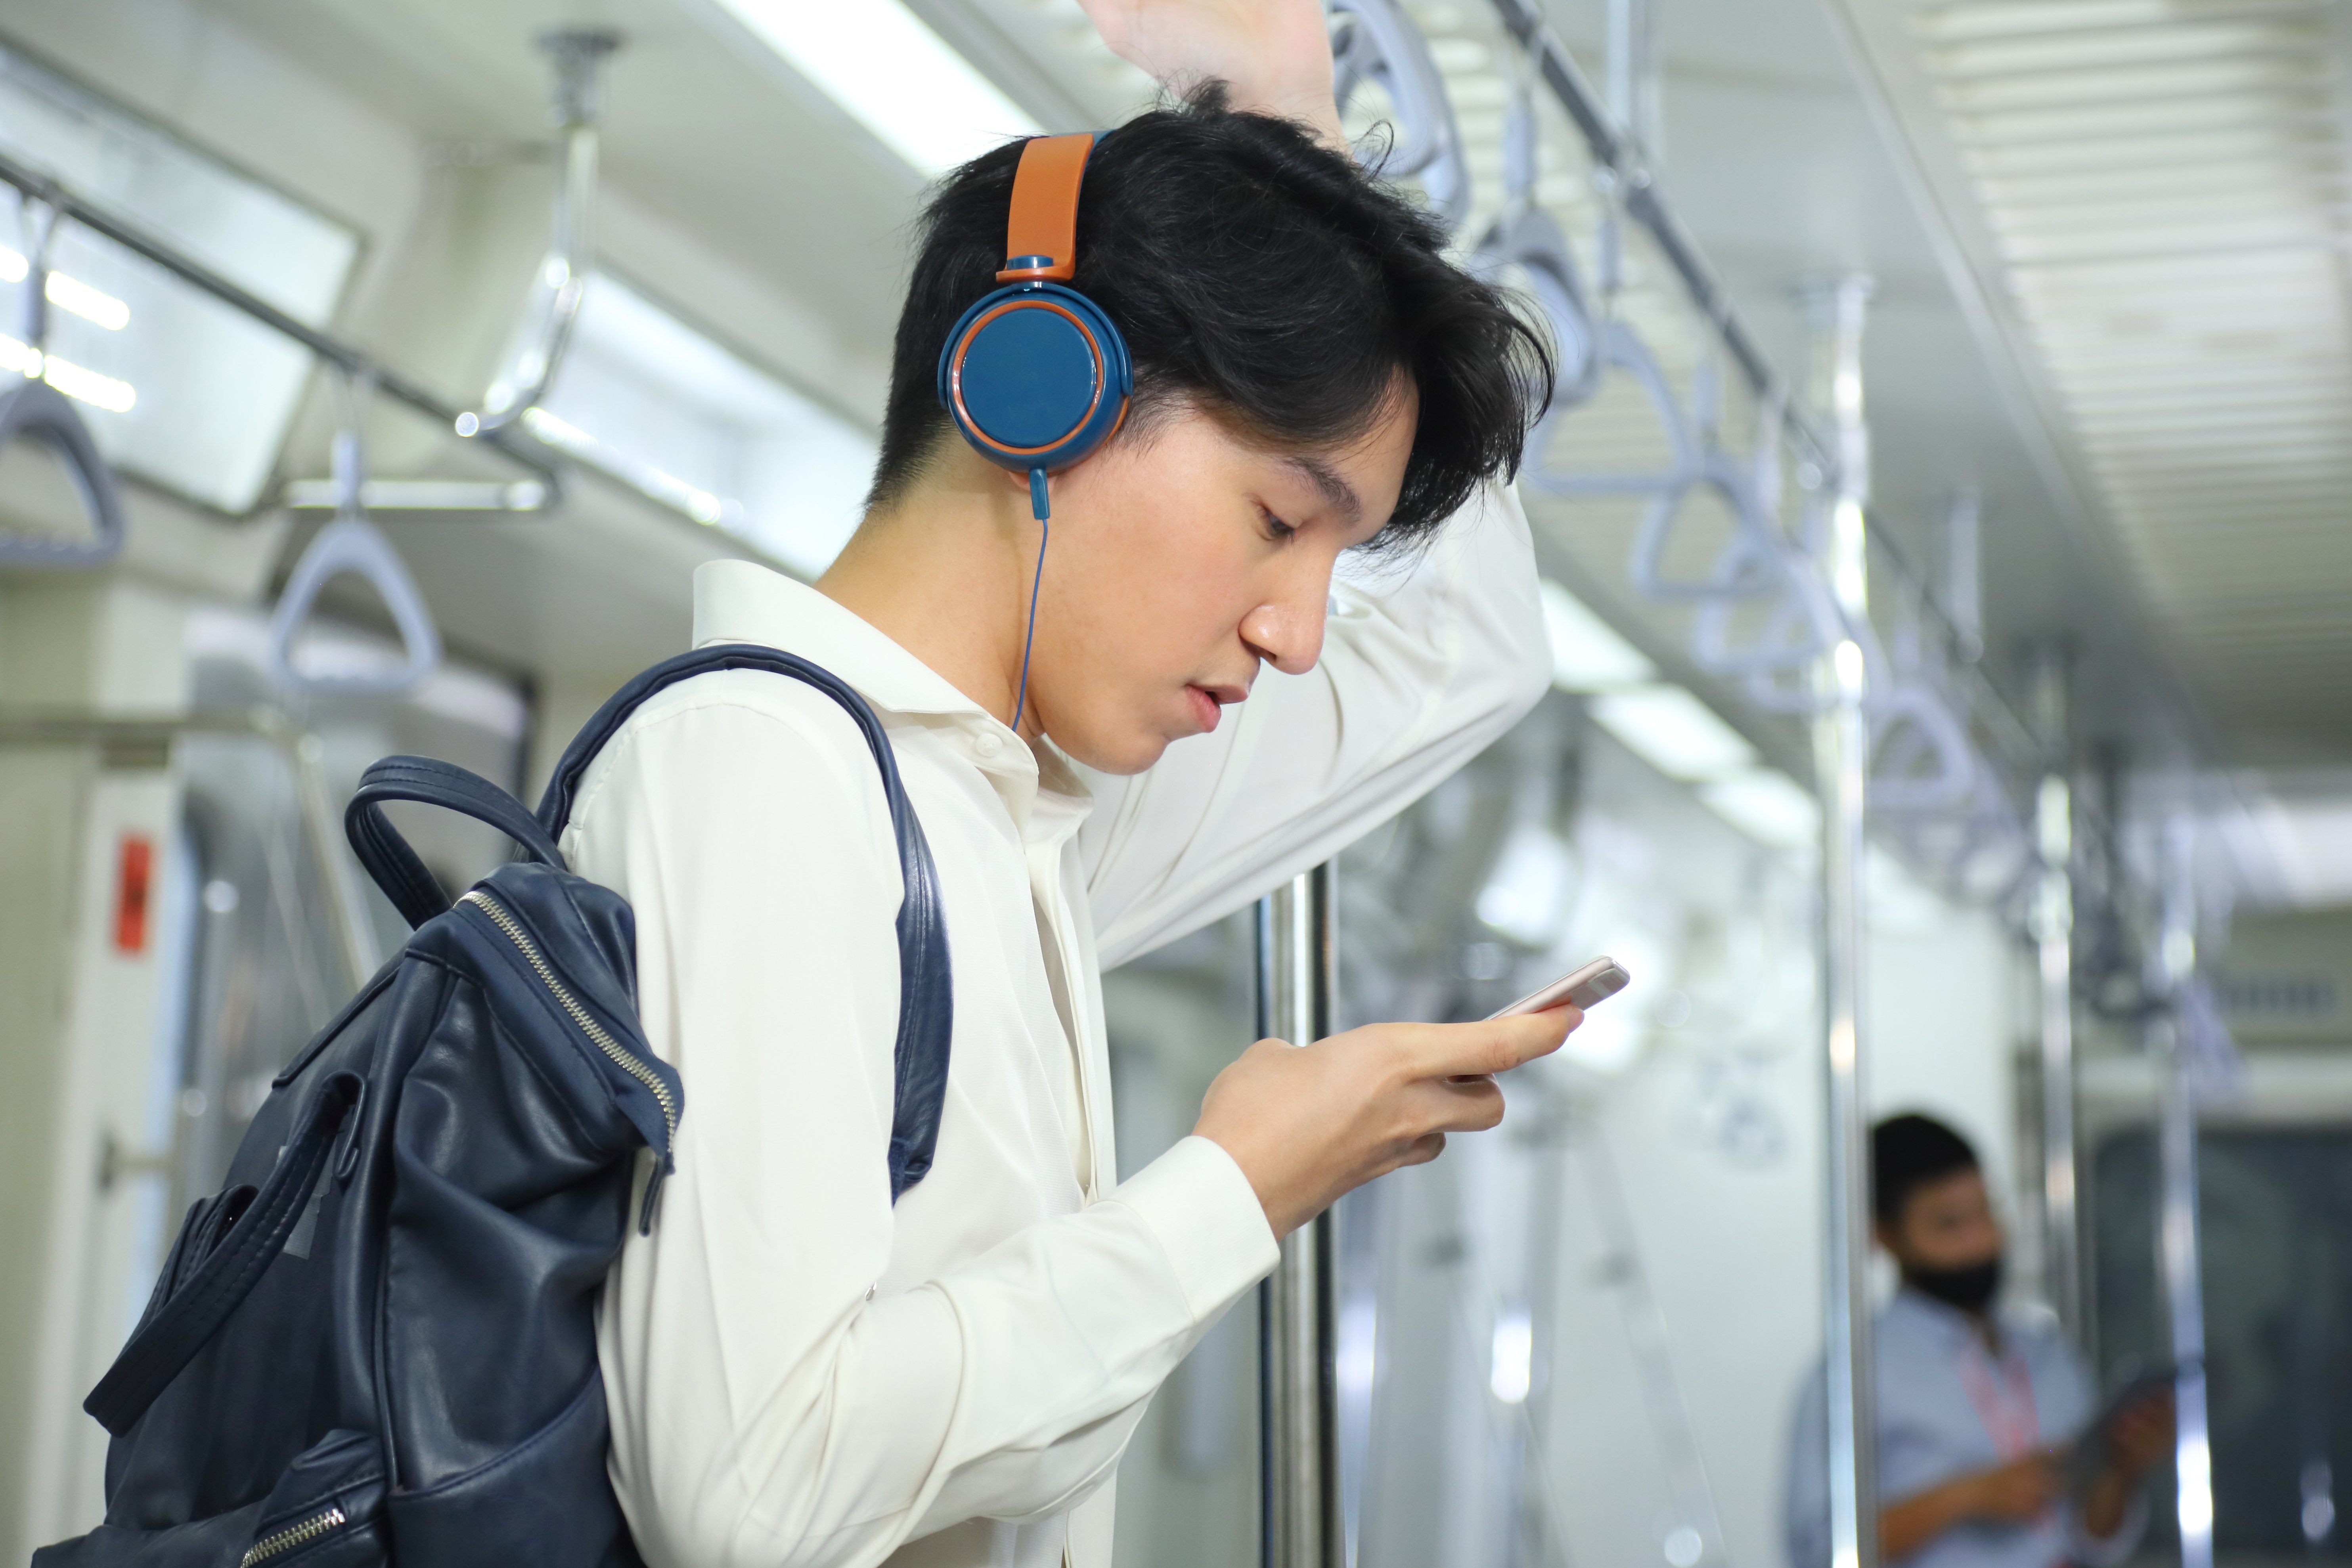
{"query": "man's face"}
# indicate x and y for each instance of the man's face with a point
(1945, 1224)
(1182, 559)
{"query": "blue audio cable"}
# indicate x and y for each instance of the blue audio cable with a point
(1036, 504)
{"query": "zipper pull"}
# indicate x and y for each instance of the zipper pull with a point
(663, 1167)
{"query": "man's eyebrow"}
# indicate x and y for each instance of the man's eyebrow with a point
(1337, 490)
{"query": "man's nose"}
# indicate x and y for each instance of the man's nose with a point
(1287, 633)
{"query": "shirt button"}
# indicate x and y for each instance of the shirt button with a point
(988, 746)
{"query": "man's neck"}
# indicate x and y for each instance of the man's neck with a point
(944, 573)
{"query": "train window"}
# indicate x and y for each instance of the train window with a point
(182, 391)
(669, 410)
(2276, 1216)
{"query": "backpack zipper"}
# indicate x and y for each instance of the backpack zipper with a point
(301, 1534)
(623, 1058)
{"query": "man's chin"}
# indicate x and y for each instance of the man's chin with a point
(1121, 757)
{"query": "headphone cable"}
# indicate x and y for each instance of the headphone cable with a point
(1029, 636)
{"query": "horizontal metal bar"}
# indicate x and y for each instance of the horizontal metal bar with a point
(1644, 202)
(419, 495)
(31, 725)
(353, 360)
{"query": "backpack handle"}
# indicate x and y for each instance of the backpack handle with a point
(386, 854)
(167, 1341)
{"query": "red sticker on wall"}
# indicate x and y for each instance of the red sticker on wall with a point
(134, 880)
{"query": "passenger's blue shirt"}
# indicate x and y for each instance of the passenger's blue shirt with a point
(1932, 1429)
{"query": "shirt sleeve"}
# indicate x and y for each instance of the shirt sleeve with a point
(1420, 672)
(768, 1405)
(1807, 1522)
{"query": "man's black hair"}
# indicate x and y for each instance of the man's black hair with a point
(1259, 273)
(1907, 1153)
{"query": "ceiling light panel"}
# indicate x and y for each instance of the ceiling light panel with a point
(893, 74)
(2168, 187)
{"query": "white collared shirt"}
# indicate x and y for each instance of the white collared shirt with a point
(801, 1373)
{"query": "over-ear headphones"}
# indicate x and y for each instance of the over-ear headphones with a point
(1034, 374)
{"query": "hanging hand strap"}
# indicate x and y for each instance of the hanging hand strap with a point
(168, 1341)
(926, 996)
(352, 543)
(386, 854)
(36, 411)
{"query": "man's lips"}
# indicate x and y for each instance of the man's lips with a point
(1205, 710)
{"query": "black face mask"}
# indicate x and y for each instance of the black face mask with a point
(1971, 1289)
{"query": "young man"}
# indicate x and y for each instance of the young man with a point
(800, 1372)
(1977, 1408)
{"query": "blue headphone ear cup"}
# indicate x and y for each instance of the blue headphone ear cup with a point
(1036, 376)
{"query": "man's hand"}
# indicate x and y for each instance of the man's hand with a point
(2141, 1435)
(2015, 1493)
(1307, 1125)
(1276, 53)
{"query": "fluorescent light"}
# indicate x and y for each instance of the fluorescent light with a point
(1527, 897)
(100, 391)
(1674, 733)
(70, 294)
(1587, 654)
(1512, 1364)
(894, 76)
(1767, 805)
(90, 304)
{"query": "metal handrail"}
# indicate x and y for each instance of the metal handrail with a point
(353, 360)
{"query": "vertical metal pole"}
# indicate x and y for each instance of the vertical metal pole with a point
(2053, 922)
(1634, 72)
(2179, 1247)
(1299, 1406)
(1841, 760)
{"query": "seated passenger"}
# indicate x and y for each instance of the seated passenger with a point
(1977, 1408)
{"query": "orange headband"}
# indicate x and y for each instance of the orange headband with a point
(1043, 230)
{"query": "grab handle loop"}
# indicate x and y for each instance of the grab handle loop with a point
(352, 543)
(34, 410)
(1380, 45)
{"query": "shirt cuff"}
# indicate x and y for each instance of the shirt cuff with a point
(1207, 1220)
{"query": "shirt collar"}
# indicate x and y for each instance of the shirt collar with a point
(1942, 1317)
(742, 601)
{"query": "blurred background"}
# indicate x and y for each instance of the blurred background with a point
(413, 353)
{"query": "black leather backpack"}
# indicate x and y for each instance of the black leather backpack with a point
(377, 1345)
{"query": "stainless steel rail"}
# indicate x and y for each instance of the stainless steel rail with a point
(1842, 764)
(1618, 153)
(2180, 1233)
(2051, 926)
(1300, 1520)
(67, 204)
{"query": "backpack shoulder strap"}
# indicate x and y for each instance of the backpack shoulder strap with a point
(926, 999)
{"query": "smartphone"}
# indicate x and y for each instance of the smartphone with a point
(1583, 985)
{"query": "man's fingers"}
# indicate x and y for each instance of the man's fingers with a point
(1455, 1104)
(1496, 1045)
(1425, 1149)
